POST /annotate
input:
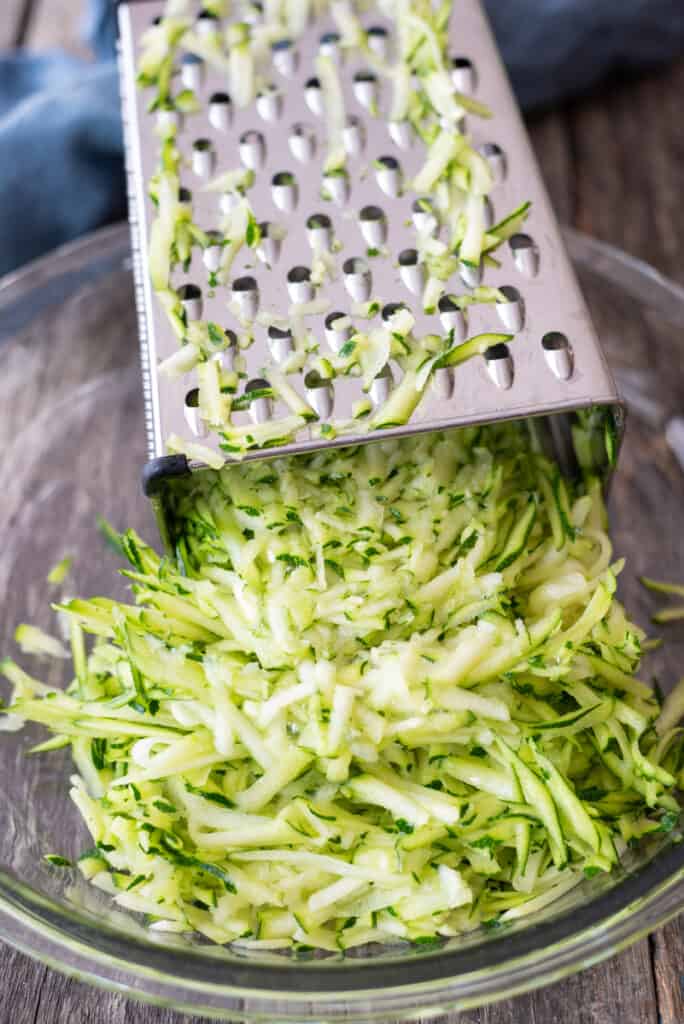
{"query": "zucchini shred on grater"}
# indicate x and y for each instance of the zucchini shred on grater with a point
(341, 234)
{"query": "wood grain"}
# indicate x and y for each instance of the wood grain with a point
(625, 148)
(667, 951)
(619, 991)
(626, 141)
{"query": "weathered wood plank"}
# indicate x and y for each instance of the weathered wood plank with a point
(618, 991)
(32, 994)
(667, 948)
(20, 982)
(627, 144)
(551, 142)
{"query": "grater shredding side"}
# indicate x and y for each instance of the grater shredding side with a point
(551, 365)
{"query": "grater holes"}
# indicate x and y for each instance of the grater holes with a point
(496, 158)
(184, 195)
(319, 392)
(280, 343)
(261, 407)
(220, 111)
(358, 279)
(423, 216)
(381, 386)
(463, 74)
(192, 71)
(391, 308)
(254, 12)
(319, 231)
(329, 44)
(512, 310)
(269, 102)
(203, 157)
(497, 353)
(367, 89)
(192, 414)
(471, 275)
(500, 365)
(452, 317)
(212, 254)
(244, 284)
(285, 57)
(270, 243)
(252, 147)
(318, 220)
(388, 175)
(190, 296)
(354, 135)
(302, 141)
(408, 258)
(246, 294)
(225, 357)
(338, 330)
(558, 354)
(285, 191)
(336, 186)
(401, 133)
(313, 94)
(299, 285)
(373, 224)
(525, 254)
(377, 37)
(411, 271)
(207, 23)
(169, 120)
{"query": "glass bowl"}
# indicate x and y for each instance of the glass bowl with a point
(72, 447)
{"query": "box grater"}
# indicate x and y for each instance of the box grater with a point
(540, 356)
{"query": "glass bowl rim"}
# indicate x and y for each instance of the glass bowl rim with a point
(433, 981)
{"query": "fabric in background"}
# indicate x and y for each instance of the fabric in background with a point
(61, 164)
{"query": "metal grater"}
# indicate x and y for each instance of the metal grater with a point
(553, 366)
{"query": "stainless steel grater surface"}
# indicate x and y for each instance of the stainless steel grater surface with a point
(366, 222)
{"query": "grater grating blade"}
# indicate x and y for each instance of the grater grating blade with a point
(365, 222)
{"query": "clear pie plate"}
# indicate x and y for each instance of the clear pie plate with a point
(72, 447)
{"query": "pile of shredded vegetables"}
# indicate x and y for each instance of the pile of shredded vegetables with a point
(384, 693)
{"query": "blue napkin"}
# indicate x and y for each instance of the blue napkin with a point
(61, 170)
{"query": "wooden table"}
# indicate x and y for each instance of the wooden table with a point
(613, 165)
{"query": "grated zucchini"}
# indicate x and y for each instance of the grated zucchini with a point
(355, 708)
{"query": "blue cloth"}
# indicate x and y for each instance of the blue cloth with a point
(61, 166)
